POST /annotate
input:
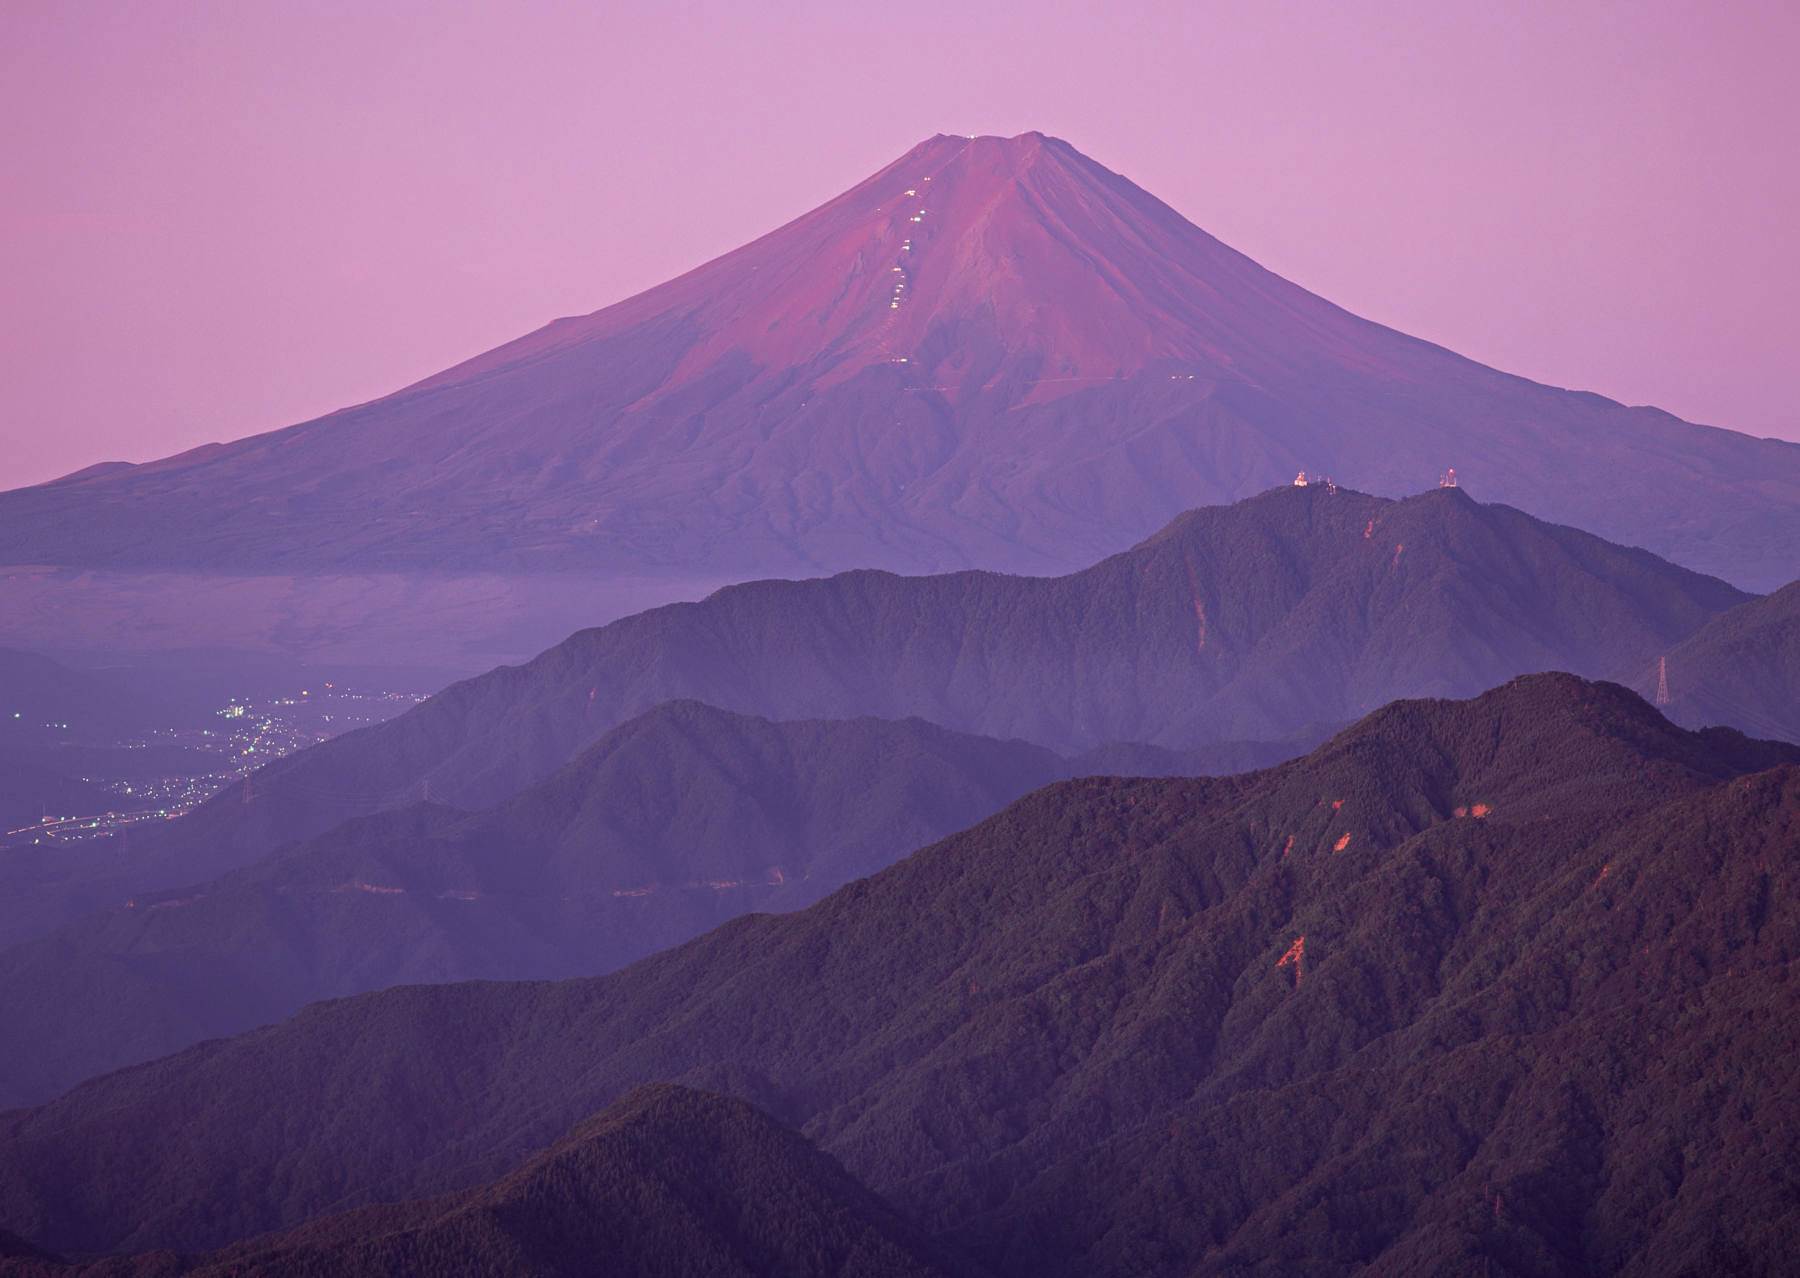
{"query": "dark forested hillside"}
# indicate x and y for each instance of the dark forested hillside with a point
(1259, 621)
(1501, 984)
(667, 1183)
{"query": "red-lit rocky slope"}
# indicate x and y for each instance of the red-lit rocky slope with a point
(994, 352)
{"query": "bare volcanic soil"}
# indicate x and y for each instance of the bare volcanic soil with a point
(1499, 985)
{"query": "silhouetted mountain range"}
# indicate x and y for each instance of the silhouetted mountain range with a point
(992, 353)
(1496, 984)
(668, 1183)
(1273, 619)
(673, 823)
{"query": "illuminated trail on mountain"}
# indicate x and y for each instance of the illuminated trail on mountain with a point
(912, 206)
(897, 296)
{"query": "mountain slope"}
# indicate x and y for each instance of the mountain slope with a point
(1264, 620)
(675, 822)
(1410, 1001)
(1742, 668)
(992, 352)
(668, 1181)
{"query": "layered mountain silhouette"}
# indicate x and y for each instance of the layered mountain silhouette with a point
(992, 353)
(668, 1182)
(1741, 668)
(1501, 984)
(1270, 620)
(673, 823)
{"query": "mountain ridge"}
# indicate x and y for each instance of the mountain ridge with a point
(1742, 667)
(667, 1181)
(1265, 620)
(1343, 1004)
(1023, 364)
(672, 823)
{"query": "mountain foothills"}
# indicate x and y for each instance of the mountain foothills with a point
(992, 353)
(1272, 620)
(1741, 668)
(1497, 985)
(668, 1183)
(673, 823)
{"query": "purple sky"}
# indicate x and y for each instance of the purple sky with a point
(224, 217)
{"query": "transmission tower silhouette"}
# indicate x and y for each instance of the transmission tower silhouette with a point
(1662, 681)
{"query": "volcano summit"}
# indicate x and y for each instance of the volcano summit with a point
(994, 352)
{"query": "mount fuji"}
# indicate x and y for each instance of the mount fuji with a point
(992, 353)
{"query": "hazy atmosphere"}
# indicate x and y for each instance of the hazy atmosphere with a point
(224, 218)
(832, 642)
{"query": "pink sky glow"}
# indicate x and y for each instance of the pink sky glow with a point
(223, 217)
